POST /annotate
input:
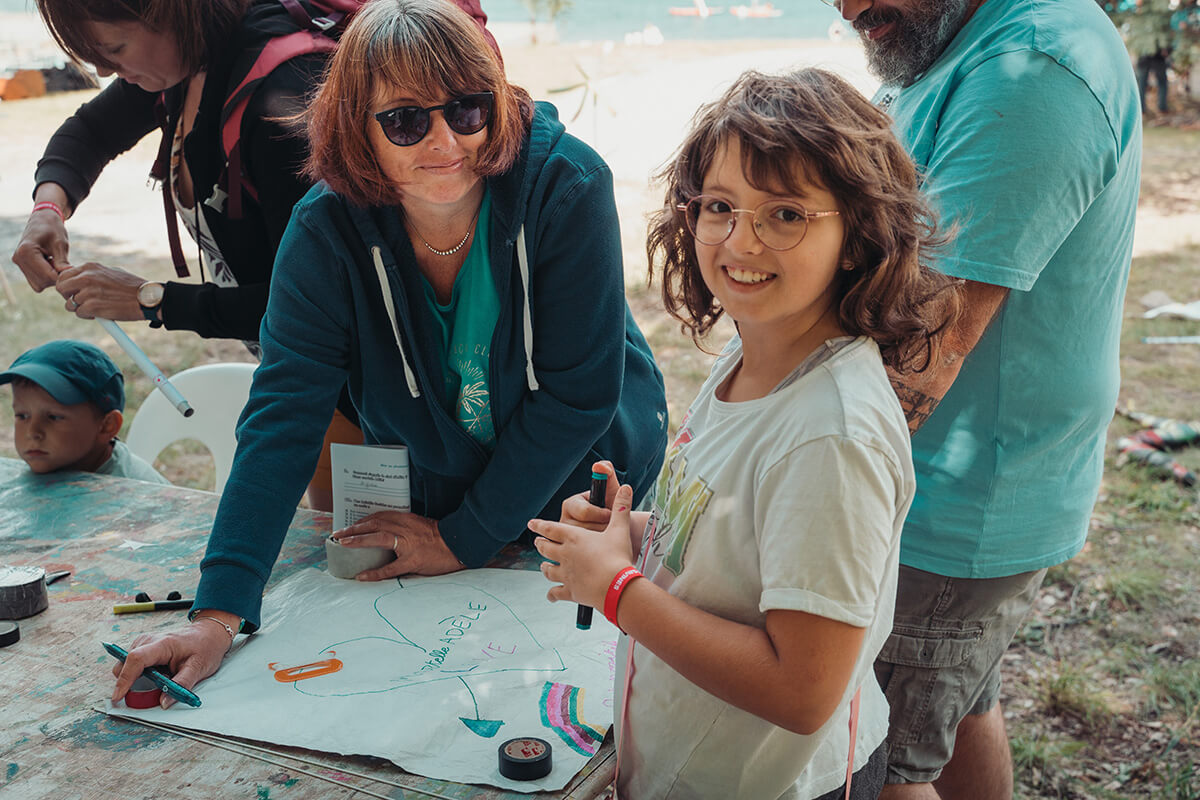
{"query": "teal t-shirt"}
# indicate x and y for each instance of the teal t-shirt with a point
(466, 325)
(1028, 133)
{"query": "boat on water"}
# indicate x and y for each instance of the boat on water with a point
(756, 10)
(698, 9)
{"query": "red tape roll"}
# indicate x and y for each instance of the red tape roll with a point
(143, 694)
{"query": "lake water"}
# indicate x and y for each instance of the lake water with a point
(612, 19)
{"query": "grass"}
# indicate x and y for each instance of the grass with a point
(1072, 690)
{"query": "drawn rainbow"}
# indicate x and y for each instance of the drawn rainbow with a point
(560, 706)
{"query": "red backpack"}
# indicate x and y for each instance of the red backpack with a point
(317, 34)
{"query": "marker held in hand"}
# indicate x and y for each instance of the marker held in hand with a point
(583, 615)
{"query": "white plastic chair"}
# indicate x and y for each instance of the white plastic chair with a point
(217, 392)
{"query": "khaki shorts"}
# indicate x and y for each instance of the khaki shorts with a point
(942, 661)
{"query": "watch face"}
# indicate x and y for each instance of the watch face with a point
(150, 294)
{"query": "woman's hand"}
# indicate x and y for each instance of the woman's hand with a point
(94, 290)
(192, 654)
(586, 560)
(578, 509)
(43, 249)
(419, 547)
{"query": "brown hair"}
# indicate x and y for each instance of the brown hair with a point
(429, 47)
(193, 23)
(812, 125)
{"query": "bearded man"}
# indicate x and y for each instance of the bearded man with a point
(1023, 117)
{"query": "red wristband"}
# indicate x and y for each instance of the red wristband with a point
(52, 206)
(621, 580)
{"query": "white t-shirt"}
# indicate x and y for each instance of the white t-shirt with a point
(790, 501)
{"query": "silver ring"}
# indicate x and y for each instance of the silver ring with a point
(396, 543)
(74, 303)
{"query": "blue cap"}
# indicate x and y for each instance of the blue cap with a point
(72, 372)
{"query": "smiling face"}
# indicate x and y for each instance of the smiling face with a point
(768, 292)
(51, 436)
(902, 38)
(438, 170)
(140, 55)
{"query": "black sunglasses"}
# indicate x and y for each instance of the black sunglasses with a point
(406, 125)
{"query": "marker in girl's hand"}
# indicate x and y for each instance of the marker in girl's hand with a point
(583, 615)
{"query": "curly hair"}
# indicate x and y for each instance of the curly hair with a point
(812, 126)
(429, 47)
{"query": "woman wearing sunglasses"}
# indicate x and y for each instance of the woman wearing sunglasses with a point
(459, 268)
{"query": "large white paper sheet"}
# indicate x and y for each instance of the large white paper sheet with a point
(431, 673)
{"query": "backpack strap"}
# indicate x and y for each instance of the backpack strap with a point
(161, 172)
(335, 12)
(276, 52)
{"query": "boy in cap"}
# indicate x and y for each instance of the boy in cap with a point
(67, 403)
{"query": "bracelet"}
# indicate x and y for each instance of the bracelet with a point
(50, 205)
(621, 580)
(228, 629)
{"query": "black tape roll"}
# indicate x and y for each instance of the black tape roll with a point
(525, 759)
(22, 592)
(10, 633)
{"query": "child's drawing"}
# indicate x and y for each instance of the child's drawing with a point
(427, 672)
(460, 632)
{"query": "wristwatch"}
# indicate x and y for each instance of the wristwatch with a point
(149, 297)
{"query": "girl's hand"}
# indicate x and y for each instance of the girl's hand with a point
(192, 653)
(578, 509)
(420, 549)
(43, 249)
(94, 290)
(586, 560)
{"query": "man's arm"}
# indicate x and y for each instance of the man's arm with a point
(920, 392)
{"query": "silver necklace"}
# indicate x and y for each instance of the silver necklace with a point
(456, 247)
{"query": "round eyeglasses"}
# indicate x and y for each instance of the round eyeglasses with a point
(778, 224)
(404, 126)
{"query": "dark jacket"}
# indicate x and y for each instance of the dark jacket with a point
(572, 379)
(272, 155)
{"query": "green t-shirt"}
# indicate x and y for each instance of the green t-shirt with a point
(1028, 134)
(466, 324)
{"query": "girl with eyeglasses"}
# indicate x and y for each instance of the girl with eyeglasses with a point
(459, 268)
(766, 567)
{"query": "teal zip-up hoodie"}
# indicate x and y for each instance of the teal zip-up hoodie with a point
(572, 378)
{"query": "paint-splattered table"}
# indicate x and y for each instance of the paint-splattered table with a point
(119, 537)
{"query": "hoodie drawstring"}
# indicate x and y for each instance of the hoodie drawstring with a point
(523, 260)
(386, 287)
(527, 315)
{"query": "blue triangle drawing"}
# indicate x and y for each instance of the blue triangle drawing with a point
(487, 728)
